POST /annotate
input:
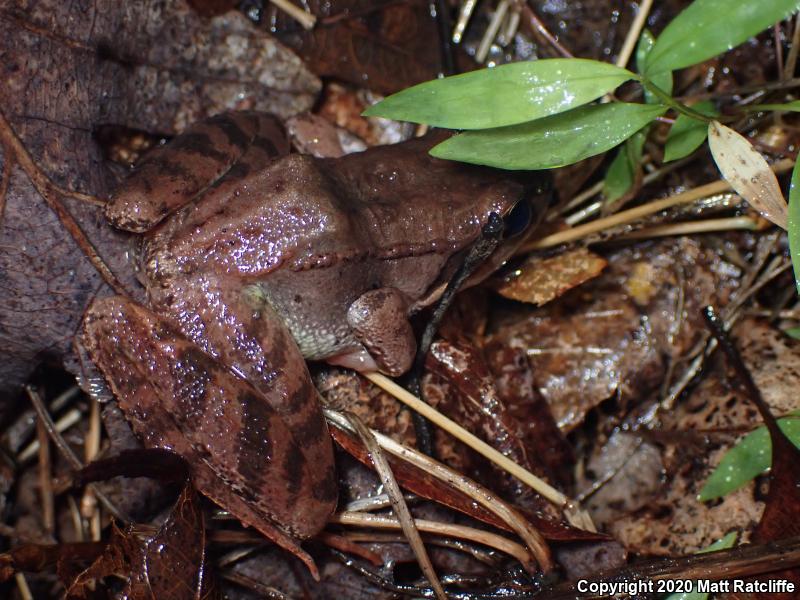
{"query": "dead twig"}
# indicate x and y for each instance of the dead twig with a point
(471, 534)
(632, 214)
(46, 479)
(399, 506)
(482, 496)
(305, 18)
(50, 193)
(635, 30)
(539, 29)
(458, 432)
(66, 451)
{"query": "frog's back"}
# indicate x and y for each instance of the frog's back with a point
(299, 213)
(411, 203)
(255, 221)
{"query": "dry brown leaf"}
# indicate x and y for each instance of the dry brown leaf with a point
(748, 172)
(540, 280)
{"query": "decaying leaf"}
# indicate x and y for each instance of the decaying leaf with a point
(385, 44)
(539, 280)
(695, 436)
(165, 562)
(169, 564)
(528, 413)
(782, 503)
(608, 338)
(461, 385)
(747, 172)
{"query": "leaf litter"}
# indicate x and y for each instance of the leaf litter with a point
(591, 364)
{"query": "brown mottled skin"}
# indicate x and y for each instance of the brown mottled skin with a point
(255, 259)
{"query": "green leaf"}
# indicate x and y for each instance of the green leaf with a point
(751, 457)
(793, 223)
(621, 174)
(710, 27)
(721, 544)
(662, 80)
(793, 332)
(619, 177)
(553, 141)
(686, 134)
(504, 95)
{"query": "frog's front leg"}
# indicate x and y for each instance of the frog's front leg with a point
(379, 320)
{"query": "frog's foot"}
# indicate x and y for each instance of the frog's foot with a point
(379, 319)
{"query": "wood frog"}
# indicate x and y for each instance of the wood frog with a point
(255, 259)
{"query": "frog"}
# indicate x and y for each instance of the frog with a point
(255, 259)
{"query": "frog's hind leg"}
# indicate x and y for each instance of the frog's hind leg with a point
(168, 178)
(379, 320)
(242, 331)
(179, 398)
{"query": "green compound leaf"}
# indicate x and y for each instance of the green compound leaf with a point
(662, 80)
(721, 544)
(687, 134)
(710, 27)
(793, 223)
(504, 95)
(793, 332)
(551, 142)
(751, 457)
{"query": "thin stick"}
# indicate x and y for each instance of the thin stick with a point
(65, 422)
(22, 585)
(463, 18)
(633, 33)
(63, 447)
(399, 506)
(627, 216)
(477, 444)
(539, 27)
(485, 555)
(776, 34)
(91, 449)
(47, 421)
(692, 227)
(492, 540)
(305, 18)
(371, 503)
(46, 479)
(77, 521)
(791, 59)
(577, 200)
(491, 31)
(482, 496)
(512, 25)
(598, 187)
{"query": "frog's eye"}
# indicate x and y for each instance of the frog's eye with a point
(518, 219)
